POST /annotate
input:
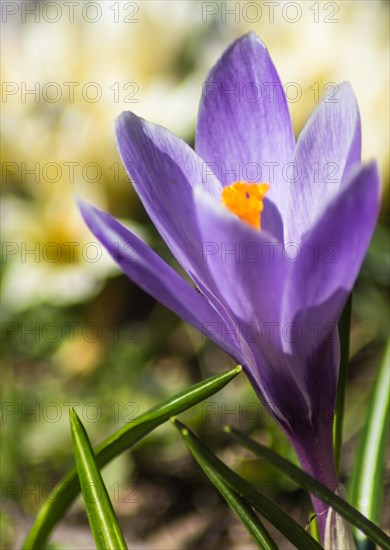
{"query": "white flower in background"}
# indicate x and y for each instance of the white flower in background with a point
(49, 256)
(154, 67)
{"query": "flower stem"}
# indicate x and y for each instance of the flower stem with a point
(344, 331)
(317, 459)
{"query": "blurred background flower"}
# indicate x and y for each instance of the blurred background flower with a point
(73, 328)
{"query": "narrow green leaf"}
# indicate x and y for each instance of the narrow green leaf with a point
(313, 486)
(247, 516)
(366, 484)
(101, 515)
(313, 528)
(275, 515)
(68, 489)
(344, 333)
(235, 501)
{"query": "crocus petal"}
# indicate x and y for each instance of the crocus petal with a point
(246, 264)
(154, 276)
(249, 270)
(319, 284)
(327, 149)
(244, 124)
(332, 253)
(164, 171)
(274, 378)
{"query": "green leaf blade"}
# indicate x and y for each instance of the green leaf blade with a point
(314, 487)
(102, 519)
(68, 489)
(254, 526)
(366, 484)
(275, 515)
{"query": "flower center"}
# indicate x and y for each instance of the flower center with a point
(245, 200)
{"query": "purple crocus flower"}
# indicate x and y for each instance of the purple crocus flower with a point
(272, 232)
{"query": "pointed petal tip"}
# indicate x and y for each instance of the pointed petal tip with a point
(124, 119)
(86, 208)
(81, 203)
(347, 89)
(250, 37)
(371, 170)
(128, 125)
(78, 200)
(372, 165)
(368, 174)
(346, 84)
(83, 206)
(92, 216)
(121, 120)
(247, 41)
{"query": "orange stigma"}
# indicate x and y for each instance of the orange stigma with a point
(245, 200)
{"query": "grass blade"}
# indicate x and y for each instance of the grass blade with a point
(68, 489)
(101, 515)
(366, 485)
(209, 462)
(235, 501)
(344, 333)
(314, 487)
